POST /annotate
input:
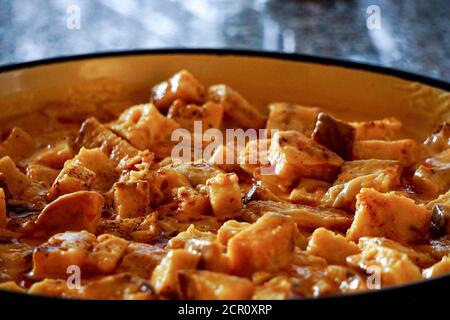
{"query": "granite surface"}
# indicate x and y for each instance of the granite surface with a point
(412, 35)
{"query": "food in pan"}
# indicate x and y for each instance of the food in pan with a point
(94, 204)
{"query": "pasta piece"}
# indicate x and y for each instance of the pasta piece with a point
(295, 156)
(433, 176)
(182, 85)
(287, 116)
(16, 182)
(224, 194)
(95, 135)
(384, 129)
(71, 212)
(212, 254)
(388, 215)
(144, 126)
(196, 172)
(305, 216)
(132, 198)
(94, 255)
(235, 107)
(389, 265)
(15, 260)
(229, 229)
(309, 191)
(207, 285)
(267, 245)
(439, 140)
(381, 175)
(421, 259)
(208, 116)
(179, 241)
(42, 174)
(440, 268)
(331, 246)
(406, 151)
(54, 156)
(165, 276)
(18, 145)
(141, 259)
(336, 135)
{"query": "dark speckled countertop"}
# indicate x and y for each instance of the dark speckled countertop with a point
(412, 35)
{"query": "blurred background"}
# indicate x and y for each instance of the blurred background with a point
(412, 35)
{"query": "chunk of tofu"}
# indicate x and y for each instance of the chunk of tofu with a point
(305, 216)
(433, 176)
(294, 156)
(141, 259)
(309, 191)
(55, 156)
(71, 212)
(16, 182)
(381, 175)
(132, 198)
(209, 115)
(406, 151)
(287, 116)
(144, 126)
(266, 245)
(236, 107)
(229, 229)
(83, 249)
(42, 174)
(224, 194)
(95, 135)
(165, 276)
(18, 145)
(389, 215)
(383, 129)
(439, 269)
(3, 212)
(182, 85)
(390, 266)
(207, 285)
(331, 246)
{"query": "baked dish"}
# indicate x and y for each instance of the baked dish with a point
(95, 205)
